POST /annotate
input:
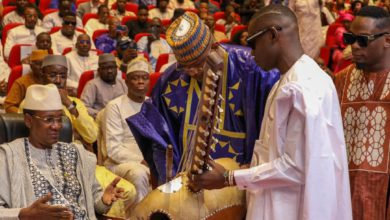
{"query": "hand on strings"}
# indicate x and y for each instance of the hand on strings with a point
(112, 193)
(41, 210)
(211, 179)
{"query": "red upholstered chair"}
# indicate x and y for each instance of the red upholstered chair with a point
(44, 5)
(8, 9)
(49, 11)
(237, 29)
(15, 55)
(98, 33)
(164, 59)
(138, 36)
(196, 11)
(219, 15)
(67, 50)
(6, 29)
(150, 7)
(78, 2)
(125, 19)
(84, 78)
(152, 82)
(128, 7)
(220, 28)
(166, 22)
(16, 72)
(216, 3)
(88, 16)
(133, 7)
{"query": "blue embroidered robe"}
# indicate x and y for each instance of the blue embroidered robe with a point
(168, 117)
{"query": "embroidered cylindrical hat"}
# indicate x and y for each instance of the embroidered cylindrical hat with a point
(189, 38)
(42, 98)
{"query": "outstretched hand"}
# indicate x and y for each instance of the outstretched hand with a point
(212, 179)
(40, 208)
(112, 193)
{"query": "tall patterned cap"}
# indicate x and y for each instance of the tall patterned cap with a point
(189, 38)
(38, 55)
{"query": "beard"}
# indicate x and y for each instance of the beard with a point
(360, 66)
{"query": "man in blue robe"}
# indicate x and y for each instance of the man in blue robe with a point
(169, 116)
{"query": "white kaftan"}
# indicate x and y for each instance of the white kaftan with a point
(299, 168)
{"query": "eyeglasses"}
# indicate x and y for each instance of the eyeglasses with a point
(362, 40)
(50, 120)
(69, 23)
(251, 39)
(84, 41)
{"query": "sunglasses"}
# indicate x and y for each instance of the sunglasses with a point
(362, 40)
(251, 39)
(69, 23)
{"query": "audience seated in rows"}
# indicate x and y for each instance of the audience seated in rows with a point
(153, 45)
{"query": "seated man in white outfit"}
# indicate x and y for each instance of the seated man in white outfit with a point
(67, 36)
(56, 18)
(80, 60)
(101, 23)
(23, 34)
(16, 16)
(122, 154)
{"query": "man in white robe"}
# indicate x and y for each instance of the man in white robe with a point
(26, 33)
(44, 178)
(67, 36)
(299, 167)
(96, 24)
(121, 153)
(80, 60)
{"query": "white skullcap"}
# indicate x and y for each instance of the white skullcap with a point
(42, 98)
(138, 65)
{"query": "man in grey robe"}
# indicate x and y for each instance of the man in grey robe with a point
(42, 178)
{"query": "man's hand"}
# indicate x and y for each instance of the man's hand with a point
(64, 97)
(41, 210)
(112, 193)
(3, 86)
(212, 179)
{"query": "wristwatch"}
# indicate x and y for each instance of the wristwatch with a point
(72, 105)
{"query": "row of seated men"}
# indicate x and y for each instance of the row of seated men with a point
(118, 151)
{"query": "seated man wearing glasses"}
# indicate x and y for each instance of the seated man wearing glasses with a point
(54, 70)
(43, 178)
(364, 94)
(67, 36)
(176, 96)
(80, 60)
